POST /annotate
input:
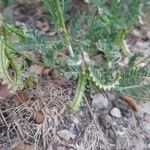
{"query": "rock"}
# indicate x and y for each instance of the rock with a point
(57, 146)
(143, 45)
(66, 135)
(99, 102)
(86, 1)
(148, 34)
(111, 96)
(50, 147)
(136, 33)
(148, 146)
(115, 112)
(75, 120)
(146, 127)
(121, 139)
(81, 113)
(145, 107)
(146, 123)
(60, 148)
(19, 24)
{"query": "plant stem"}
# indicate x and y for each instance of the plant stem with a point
(65, 33)
(81, 85)
(26, 56)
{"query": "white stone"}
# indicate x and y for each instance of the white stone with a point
(75, 120)
(116, 112)
(86, 1)
(66, 135)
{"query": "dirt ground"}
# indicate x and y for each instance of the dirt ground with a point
(38, 118)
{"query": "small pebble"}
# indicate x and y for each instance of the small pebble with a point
(75, 120)
(66, 134)
(115, 112)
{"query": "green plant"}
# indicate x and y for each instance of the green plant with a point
(107, 29)
(6, 3)
(57, 14)
(101, 31)
(87, 72)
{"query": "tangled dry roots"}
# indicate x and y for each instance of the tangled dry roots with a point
(49, 97)
(93, 139)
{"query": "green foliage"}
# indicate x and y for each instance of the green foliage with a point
(16, 82)
(89, 73)
(15, 75)
(102, 31)
(110, 24)
(133, 76)
(132, 83)
(99, 83)
(56, 9)
(75, 25)
(52, 7)
(133, 59)
(41, 43)
(7, 2)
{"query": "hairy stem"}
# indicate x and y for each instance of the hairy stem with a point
(79, 91)
(65, 33)
(123, 44)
